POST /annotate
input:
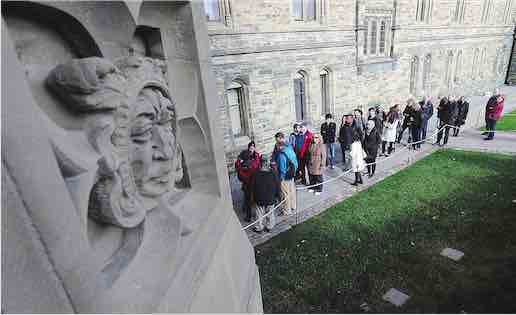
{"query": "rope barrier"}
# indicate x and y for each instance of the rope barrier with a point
(409, 144)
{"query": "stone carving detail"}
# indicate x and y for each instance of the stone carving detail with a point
(132, 127)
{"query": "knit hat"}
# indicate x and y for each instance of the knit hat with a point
(251, 144)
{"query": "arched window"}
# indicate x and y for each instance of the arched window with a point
(325, 91)
(366, 35)
(414, 65)
(449, 68)
(458, 66)
(212, 10)
(304, 10)
(373, 37)
(382, 37)
(235, 95)
(300, 95)
(427, 71)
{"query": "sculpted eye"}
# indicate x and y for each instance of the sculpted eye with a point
(141, 135)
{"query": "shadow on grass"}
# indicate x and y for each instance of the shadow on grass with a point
(391, 236)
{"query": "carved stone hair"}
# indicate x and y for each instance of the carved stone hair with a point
(96, 85)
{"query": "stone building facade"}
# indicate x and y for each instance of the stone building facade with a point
(278, 61)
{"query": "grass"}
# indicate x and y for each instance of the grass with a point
(391, 236)
(507, 123)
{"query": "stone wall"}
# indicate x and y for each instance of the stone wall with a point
(265, 47)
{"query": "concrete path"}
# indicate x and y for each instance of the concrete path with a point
(340, 189)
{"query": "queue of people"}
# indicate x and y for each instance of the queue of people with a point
(301, 158)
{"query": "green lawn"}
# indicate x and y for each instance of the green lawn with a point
(391, 236)
(507, 123)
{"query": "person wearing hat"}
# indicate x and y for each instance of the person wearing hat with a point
(265, 187)
(246, 165)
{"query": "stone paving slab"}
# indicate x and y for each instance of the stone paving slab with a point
(395, 297)
(453, 254)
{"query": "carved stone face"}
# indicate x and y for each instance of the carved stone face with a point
(152, 149)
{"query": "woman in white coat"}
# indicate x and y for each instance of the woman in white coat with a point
(390, 129)
(358, 156)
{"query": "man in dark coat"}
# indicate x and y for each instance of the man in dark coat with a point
(265, 187)
(406, 121)
(462, 114)
(247, 163)
(328, 131)
(346, 135)
(427, 111)
(444, 113)
(491, 104)
(372, 140)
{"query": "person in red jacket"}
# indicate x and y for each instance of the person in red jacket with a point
(303, 140)
(246, 165)
(493, 114)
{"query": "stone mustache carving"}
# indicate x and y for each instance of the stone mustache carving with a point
(132, 127)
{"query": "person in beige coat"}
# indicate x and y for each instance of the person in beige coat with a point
(316, 162)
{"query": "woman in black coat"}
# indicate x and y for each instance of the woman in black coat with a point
(462, 114)
(345, 135)
(415, 123)
(372, 142)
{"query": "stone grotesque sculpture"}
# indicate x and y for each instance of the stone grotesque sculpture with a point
(133, 129)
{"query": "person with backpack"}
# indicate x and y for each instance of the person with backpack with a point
(265, 187)
(286, 162)
(328, 131)
(246, 165)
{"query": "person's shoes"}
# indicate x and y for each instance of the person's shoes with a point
(310, 190)
(370, 175)
(355, 184)
(484, 133)
(487, 139)
(317, 193)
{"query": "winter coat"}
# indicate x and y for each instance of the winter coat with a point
(281, 156)
(292, 140)
(390, 130)
(359, 123)
(378, 124)
(463, 108)
(454, 111)
(415, 119)
(496, 112)
(308, 137)
(357, 157)
(491, 104)
(328, 131)
(246, 165)
(406, 115)
(346, 135)
(317, 158)
(265, 187)
(371, 143)
(427, 110)
(443, 112)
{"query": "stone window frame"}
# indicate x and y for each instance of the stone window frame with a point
(458, 67)
(424, 10)
(306, 92)
(486, 12)
(482, 63)
(499, 64)
(330, 105)
(427, 74)
(321, 9)
(508, 11)
(225, 21)
(448, 75)
(244, 105)
(379, 17)
(459, 12)
(413, 75)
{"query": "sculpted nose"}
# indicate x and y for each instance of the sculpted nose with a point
(162, 150)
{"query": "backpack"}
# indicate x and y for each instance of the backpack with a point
(291, 172)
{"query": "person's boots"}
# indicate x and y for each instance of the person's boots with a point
(356, 179)
(360, 178)
(373, 169)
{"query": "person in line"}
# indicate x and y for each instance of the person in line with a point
(380, 114)
(246, 165)
(490, 105)
(265, 187)
(415, 126)
(328, 132)
(303, 140)
(427, 111)
(373, 115)
(295, 132)
(390, 129)
(358, 156)
(406, 119)
(358, 121)
(317, 154)
(346, 135)
(372, 142)
(444, 115)
(462, 114)
(493, 116)
(286, 163)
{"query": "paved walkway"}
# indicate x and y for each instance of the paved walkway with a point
(340, 189)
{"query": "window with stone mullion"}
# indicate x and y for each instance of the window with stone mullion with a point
(374, 37)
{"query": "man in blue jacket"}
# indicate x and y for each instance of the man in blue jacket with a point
(286, 162)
